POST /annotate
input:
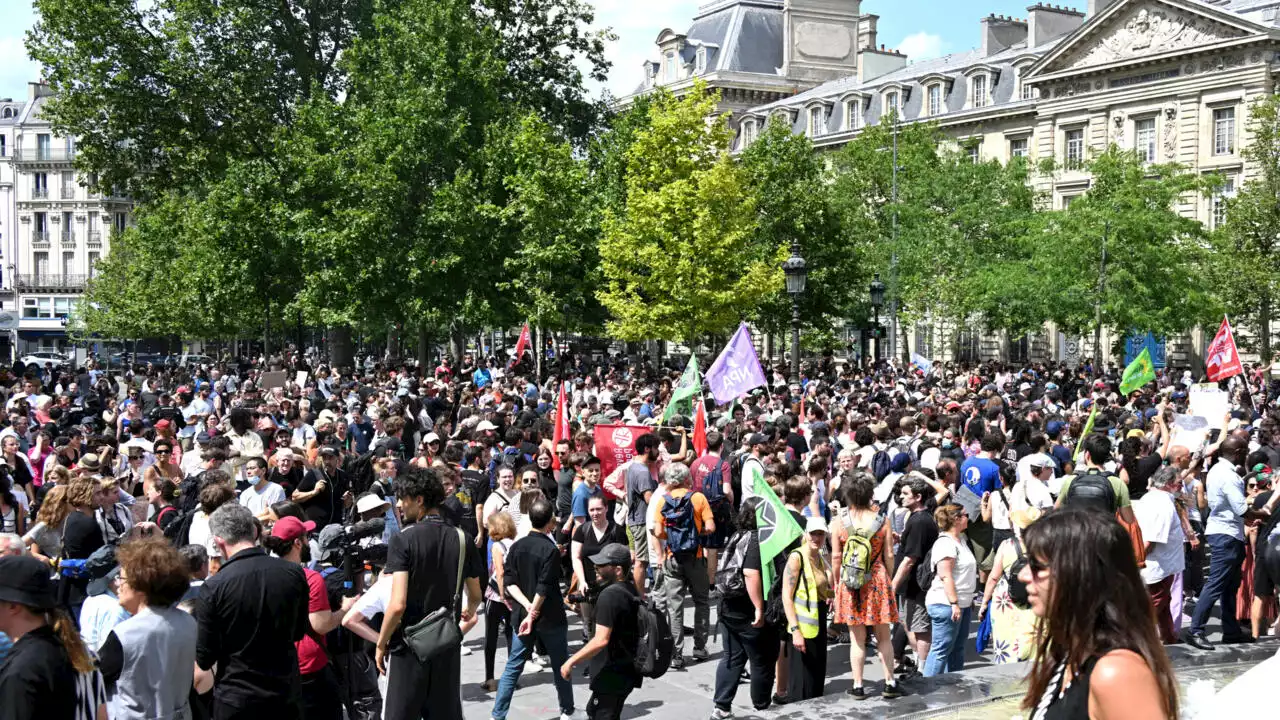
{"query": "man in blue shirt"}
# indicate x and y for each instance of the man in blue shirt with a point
(1224, 533)
(587, 489)
(979, 477)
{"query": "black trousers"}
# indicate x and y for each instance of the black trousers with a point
(275, 710)
(358, 684)
(424, 692)
(742, 644)
(606, 706)
(809, 668)
(320, 699)
(497, 619)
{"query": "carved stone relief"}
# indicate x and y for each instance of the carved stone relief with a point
(1150, 30)
(1170, 133)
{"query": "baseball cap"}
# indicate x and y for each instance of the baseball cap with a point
(328, 540)
(612, 554)
(203, 438)
(290, 528)
(101, 568)
(25, 580)
(485, 425)
(1040, 460)
(163, 425)
(329, 451)
(431, 437)
(757, 439)
(815, 524)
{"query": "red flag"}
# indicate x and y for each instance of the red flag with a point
(700, 428)
(1222, 360)
(800, 420)
(616, 446)
(562, 427)
(521, 344)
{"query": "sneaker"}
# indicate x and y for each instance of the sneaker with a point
(700, 654)
(677, 662)
(536, 663)
(575, 715)
(858, 693)
(893, 691)
(489, 686)
(718, 714)
(466, 650)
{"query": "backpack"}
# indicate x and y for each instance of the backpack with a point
(856, 562)
(682, 530)
(188, 502)
(713, 491)
(655, 644)
(729, 578)
(924, 571)
(1017, 588)
(1091, 490)
(881, 465)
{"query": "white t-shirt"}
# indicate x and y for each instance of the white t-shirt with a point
(965, 573)
(497, 501)
(375, 599)
(199, 533)
(1158, 517)
(259, 500)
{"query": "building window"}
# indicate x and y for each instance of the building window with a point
(700, 61)
(94, 257)
(1067, 200)
(68, 263)
(980, 91)
(1075, 149)
(119, 219)
(1020, 349)
(817, 122)
(891, 104)
(852, 114)
(41, 262)
(4, 140)
(973, 150)
(648, 75)
(41, 222)
(748, 132)
(1224, 131)
(40, 190)
(670, 72)
(1026, 90)
(1144, 139)
(1218, 204)
(935, 100)
(42, 146)
(68, 235)
(1018, 147)
(924, 339)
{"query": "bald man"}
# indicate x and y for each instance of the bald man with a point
(1224, 533)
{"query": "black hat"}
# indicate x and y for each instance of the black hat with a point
(25, 580)
(757, 439)
(101, 568)
(612, 554)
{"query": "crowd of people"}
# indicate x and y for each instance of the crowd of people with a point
(279, 538)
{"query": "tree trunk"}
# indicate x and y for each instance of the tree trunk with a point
(393, 343)
(266, 332)
(340, 349)
(538, 341)
(458, 342)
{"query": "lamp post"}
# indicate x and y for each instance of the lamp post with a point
(877, 301)
(796, 273)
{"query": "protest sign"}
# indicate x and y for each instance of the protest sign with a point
(615, 446)
(1206, 400)
(301, 380)
(273, 379)
(1190, 431)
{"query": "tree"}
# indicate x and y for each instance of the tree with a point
(679, 261)
(791, 182)
(1246, 261)
(1152, 279)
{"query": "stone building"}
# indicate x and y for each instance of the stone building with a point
(1171, 79)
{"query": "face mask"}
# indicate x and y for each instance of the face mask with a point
(948, 444)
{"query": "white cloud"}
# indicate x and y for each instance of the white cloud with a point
(921, 46)
(637, 25)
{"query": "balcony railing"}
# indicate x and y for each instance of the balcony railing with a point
(40, 193)
(95, 239)
(40, 281)
(67, 237)
(68, 192)
(46, 154)
(40, 238)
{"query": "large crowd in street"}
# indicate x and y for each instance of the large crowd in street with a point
(276, 537)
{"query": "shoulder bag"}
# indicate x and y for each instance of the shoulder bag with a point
(438, 633)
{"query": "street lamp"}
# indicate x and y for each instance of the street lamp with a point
(796, 273)
(877, 301)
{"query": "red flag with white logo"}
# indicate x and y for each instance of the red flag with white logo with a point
(1222, 359)
(700, 428)
(521, 344)
(562, 427)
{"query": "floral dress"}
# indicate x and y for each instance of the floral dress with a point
(873, 603)
(1013, 629)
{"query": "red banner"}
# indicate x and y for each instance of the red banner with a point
(562, 427)
(521, 344)
(615, 446)
(700, 428)
(1222, 360)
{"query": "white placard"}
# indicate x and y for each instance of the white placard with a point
(1190, 431)
(1210, 403)
(301, 380)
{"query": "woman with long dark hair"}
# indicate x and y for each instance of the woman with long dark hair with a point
(1098, 654)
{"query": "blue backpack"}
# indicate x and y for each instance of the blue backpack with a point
(682, 530)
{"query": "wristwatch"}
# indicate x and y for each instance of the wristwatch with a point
(793, 628)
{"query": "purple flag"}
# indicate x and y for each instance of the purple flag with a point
(737, 370)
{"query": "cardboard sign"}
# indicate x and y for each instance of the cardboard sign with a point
(1190, 431)
(273, 379)
(301, 380)
(1206, 400)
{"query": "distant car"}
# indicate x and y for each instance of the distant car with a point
(43, 357)
(190, 360)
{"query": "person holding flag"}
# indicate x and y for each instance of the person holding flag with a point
(687, 389)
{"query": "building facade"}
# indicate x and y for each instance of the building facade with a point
(61, 228)
(1170, 79)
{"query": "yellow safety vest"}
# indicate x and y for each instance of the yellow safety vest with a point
(806, 599)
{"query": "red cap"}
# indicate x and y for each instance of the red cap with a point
(163, 424)
(290, 528)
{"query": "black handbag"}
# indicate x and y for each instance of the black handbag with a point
(438, 633)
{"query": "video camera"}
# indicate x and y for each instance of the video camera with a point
(357, 555)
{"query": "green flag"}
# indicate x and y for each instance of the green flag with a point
(1139, 373)
(1088, 428)
(775, 528)
(684, 392)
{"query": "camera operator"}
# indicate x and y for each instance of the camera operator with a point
(588, 540)
(357, 678)
(611, 651)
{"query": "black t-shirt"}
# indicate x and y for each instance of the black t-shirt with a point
(1270, 523)
(1145, 468)
(453, 512)
(798, 445)
(740, 608)
(80, 536)
(614, 670)
(918, 536)
(472, 491)
(38, 681)
(428, 551)
(564, 493)
(591, 544)
(166, 517)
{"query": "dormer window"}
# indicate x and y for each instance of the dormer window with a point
(700, 61)
(784, 117)
(818, 121)
(1026, 91)
(891, 104)
(669, 73)
(981, 96)
(748, 132)
(935, 99)
(853, 113)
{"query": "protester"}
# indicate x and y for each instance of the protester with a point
(950, 596)
(806, 589)
(1224, 532)
(1161, 524)
(1098, 653)
(588, 540)
(497, 614)
(611, 650)
(1013, 624)
(683, 518)
(745, 635)
(640, 487)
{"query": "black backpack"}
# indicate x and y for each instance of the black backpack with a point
(924, 571)
(655, 644)
(187, 503)
(729, 578)
(1091, 490)
(713, 491)
(881, 465)
(1017, 588)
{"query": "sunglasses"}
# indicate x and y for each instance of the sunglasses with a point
(1036, 566)
(163, 452)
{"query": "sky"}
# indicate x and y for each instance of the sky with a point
(920, 28)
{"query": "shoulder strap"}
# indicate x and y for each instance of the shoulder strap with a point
(462, 549)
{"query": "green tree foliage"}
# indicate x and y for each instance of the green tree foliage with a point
(1155, 279)
(1246, 258)
(791, 182)
(679, 261)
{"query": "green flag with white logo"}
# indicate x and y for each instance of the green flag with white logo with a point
(683, 394)
(1139, 373)
(776, 529)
